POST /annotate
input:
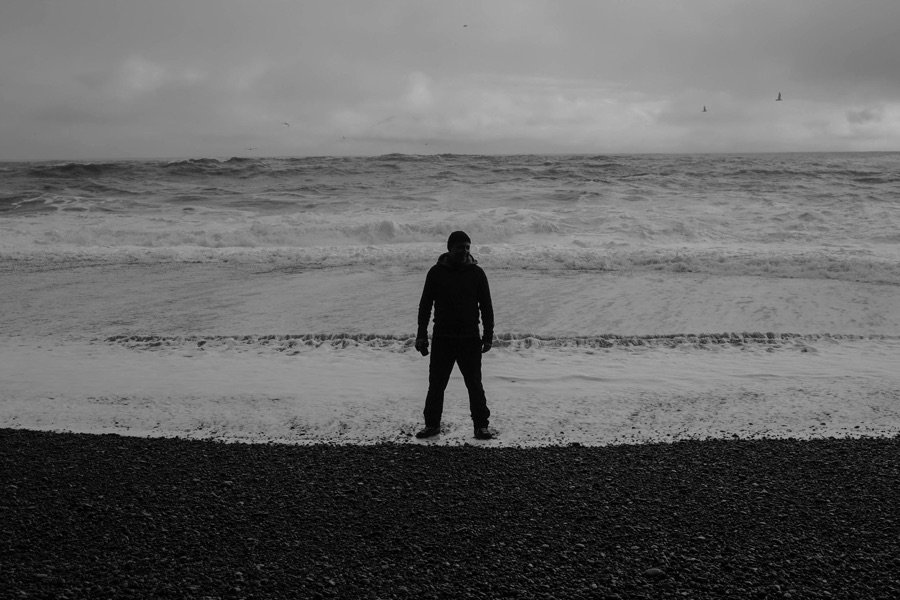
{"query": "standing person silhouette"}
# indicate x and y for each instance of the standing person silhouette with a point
(458, 289)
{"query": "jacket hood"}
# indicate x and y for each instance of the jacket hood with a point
(444, 261)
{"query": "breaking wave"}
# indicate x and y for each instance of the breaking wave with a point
(831, 216)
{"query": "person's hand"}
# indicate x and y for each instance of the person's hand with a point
(486, 345)
(422, 346)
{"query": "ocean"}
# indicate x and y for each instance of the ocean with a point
(716, 280)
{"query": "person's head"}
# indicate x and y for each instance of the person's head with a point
(458, 245)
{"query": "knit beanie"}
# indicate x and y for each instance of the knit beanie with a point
(458, 237)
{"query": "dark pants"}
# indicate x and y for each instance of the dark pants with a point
(466, 352)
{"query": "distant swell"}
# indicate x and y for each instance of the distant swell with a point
(79, 169)
(293, 343)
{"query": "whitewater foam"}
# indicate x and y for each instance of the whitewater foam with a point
(777, 261)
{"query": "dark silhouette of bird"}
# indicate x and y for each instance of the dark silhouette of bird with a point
(778, 99)
(286, 124)
(704, 108)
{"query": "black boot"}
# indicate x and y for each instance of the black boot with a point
(483, 433)
(428, 432)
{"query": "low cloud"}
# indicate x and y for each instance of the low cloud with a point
(865, 115)
(138, 76)
(477, 108)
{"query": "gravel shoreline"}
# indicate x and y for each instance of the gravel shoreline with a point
(104, 516)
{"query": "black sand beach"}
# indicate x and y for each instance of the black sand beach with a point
(90, 516)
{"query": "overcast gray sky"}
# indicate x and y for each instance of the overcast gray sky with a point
(82, 79)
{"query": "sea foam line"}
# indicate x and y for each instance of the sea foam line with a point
(294, 343)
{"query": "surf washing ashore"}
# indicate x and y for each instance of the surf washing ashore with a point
(637, 298)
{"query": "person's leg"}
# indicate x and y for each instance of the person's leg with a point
(439, 369)
(469, 361)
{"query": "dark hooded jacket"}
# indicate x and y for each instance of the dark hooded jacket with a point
(458, 293)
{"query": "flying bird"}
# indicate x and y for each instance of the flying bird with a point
(286, 124)
(704, 108)
(778, 99)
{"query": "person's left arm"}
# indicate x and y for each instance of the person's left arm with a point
(425, 303)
